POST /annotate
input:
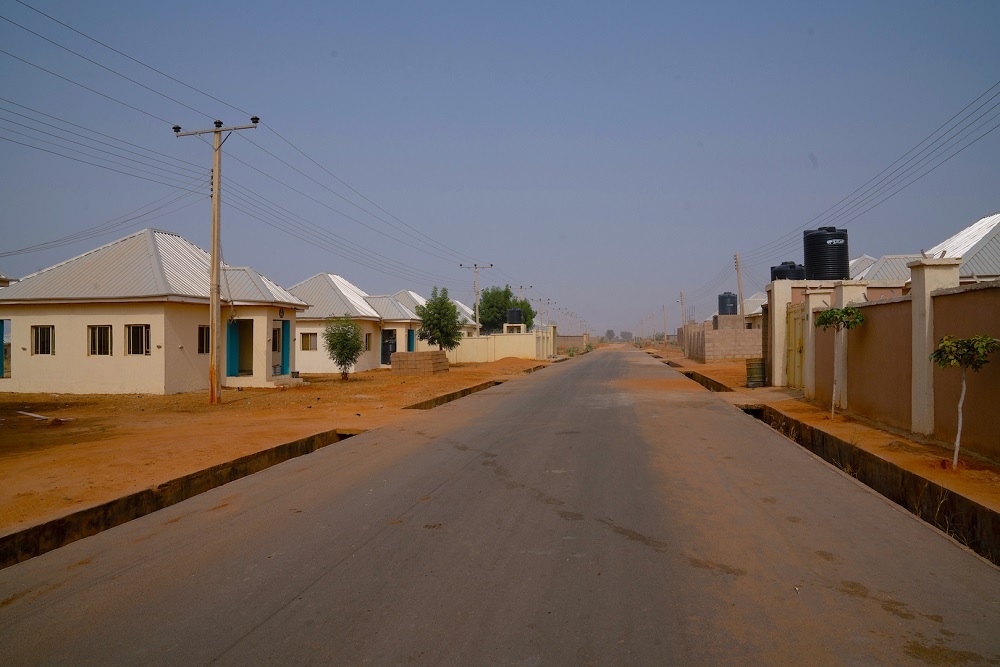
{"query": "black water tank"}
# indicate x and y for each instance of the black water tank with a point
(514, 316)
(728, 304)
(827, 257)
(788, 271)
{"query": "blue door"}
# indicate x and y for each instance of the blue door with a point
(232, 348)
(286, 345)
(411, 340)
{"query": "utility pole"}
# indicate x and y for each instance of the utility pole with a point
(214, 305)
(683, 312)
(739, 283)
(475, 268)
(521, 289)
(664, 325)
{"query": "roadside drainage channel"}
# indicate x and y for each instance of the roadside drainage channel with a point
(971, 524)
(455, 395)
(706, 382)
(42, 538)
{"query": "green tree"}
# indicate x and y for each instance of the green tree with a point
(494, 302)
(439, 321)
(610, 335)
(344, 342)
(840, 319)
(964, 353)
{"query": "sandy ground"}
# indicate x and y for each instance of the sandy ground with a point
(91, 449)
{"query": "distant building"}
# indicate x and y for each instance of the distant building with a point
(386, 323)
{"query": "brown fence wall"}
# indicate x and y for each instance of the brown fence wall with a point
(966, 313)
(824, 365)
(879, 364)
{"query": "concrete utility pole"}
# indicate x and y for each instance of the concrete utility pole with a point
(664, 325)
(475, 268)
(739, 282)
(683, 312)
(521, 290)
(214, 383)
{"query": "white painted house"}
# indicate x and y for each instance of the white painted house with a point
(133, 317)
(388, 326)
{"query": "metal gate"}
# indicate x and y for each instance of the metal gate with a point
(795, 344)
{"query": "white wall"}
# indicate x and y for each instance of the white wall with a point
(72, 370)
(318, 361)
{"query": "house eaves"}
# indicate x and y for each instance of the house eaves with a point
(978, 245)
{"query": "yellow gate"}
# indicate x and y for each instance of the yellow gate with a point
(795, 343)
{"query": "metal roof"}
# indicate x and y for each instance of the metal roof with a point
(148, 265)
(391, 310)
(859, 265)
(752, 304)
(333, 296)
(978, 245)
(410, 299)
(889, 268)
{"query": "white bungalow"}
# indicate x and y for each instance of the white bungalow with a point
(133, 317)
(387, 324)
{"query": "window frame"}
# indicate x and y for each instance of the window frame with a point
(145, 340)
(94, 343)
(312, 338)
(204, 339)
(36, 329)
(368, 342)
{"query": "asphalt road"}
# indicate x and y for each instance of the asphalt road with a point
(605, 511)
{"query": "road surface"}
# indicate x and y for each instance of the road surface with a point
(605, 511)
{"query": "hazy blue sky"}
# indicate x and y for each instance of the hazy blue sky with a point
(609, 154)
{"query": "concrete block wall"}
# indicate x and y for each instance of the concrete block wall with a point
(419, 363)
(732, 344)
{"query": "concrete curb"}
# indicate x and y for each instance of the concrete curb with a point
(41, 538)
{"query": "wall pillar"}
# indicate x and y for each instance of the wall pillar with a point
(779, 294)
(815, 300)
(926, 275)
(846, 292)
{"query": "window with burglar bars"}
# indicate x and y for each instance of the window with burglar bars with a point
(43, 339)
(137, 338)
(100, 340)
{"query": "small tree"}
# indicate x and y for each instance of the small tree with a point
(964, 353)
(439, 321)
(344, 342)
(610, 335)
(840, 319)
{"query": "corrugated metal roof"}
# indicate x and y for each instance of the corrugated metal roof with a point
(859, 265)
(978, 245)
(752, 304)
(890, 268)
(332, 296)
(410, 299)
(149, 264)
(466, 313)
(390, 309)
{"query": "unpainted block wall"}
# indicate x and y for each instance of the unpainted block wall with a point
(419, 363)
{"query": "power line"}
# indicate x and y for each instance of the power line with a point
(76, 83)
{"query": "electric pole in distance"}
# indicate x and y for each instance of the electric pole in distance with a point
(475, 268)
(214, 384)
